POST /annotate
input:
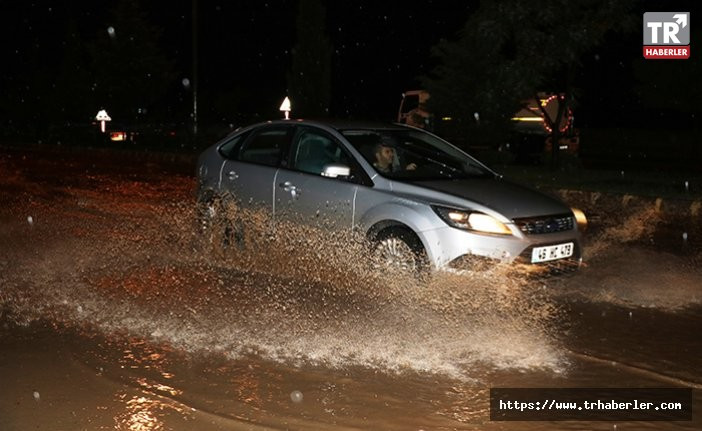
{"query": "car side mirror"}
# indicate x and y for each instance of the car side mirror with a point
(335, 170)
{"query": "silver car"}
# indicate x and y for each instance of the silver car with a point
(422, 202)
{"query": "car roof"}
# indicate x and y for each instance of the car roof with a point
(340, 124)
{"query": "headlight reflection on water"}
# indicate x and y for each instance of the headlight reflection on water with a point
(141, 413)
(158, 387)
(145, 412)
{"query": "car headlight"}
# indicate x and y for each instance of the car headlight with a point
(580, 219)
(471, 220)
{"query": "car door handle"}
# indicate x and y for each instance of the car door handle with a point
(290, 187)
(232, 175)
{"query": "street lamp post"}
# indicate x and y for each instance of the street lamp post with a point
(195, 81)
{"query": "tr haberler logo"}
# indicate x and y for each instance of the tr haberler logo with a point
(666, 35)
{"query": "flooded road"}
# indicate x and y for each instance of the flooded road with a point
(115, 316)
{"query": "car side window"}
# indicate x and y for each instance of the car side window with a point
(229, 149)
(314, 149)
(265, 147)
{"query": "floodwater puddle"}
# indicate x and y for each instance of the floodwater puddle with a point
(117, 316)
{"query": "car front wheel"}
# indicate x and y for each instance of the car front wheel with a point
(398, 249)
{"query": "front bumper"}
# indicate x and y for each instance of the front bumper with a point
(445, 245)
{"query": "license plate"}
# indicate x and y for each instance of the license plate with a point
(551, 252)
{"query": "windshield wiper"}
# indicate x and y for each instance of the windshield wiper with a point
(444, 165)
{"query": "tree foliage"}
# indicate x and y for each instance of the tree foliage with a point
(671, 86)
(509, 50)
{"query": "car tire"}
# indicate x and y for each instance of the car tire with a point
(400, 250)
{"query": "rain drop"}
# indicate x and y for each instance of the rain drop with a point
(687, 186)
(296, 396)
(80, 309)
(30, 220)
(111, 31)
(684, 235)
(186, 82)
(36, 396)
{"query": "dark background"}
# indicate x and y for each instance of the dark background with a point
(244, 51)
(52, 52)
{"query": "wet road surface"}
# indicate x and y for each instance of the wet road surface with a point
(115, 316)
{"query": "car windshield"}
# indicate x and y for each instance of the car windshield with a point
(407, 154)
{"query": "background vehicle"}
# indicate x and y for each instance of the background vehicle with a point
(448, 210)
(531, 133)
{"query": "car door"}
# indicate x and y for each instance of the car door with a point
(303, 194)
(248, 176)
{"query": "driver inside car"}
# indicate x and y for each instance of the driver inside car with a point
(386, 161)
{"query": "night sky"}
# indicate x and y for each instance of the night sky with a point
(245, 47)
(379, 50)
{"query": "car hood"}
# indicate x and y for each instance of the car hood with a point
(507, 198)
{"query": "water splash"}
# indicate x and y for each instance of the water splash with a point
(130, 261)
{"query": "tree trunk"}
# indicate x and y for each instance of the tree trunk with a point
(556, 131)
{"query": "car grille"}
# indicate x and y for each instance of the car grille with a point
(547, 224)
